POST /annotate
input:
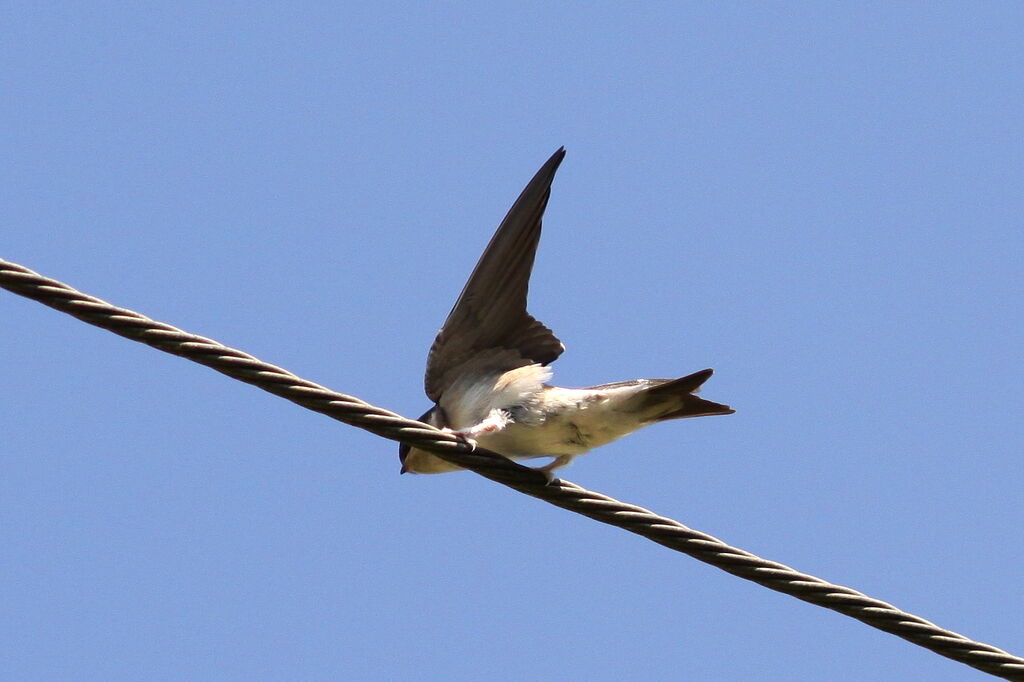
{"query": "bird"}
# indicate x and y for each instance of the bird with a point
(488, 368)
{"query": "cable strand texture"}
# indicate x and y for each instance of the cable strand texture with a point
(667, 532)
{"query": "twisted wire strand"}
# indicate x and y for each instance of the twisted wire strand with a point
(665, 531)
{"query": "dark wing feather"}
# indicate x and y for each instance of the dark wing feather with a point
(491, 310)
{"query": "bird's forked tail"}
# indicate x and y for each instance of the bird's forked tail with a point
(678, 393)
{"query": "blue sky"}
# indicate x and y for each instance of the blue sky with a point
(822, 201)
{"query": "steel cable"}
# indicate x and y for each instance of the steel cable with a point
(664, 531)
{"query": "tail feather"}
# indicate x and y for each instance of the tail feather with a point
(687, 404)
(691, 383)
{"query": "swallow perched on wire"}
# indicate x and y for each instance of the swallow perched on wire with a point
(487, 370)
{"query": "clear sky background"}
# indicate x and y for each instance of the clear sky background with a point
(822, 201)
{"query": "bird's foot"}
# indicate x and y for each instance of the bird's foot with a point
(464, 436)
(549, 469)
(495, 421)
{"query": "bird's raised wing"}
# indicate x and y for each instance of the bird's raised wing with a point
(490, 318)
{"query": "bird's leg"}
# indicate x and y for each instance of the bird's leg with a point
(549, 469)
(461, 436)
(495, 421)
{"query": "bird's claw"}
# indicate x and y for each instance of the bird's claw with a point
(549, 469)
(549, 476)
(462, 437)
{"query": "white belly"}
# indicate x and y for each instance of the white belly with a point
(563, 421)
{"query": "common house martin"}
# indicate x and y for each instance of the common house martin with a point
(487, 370)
